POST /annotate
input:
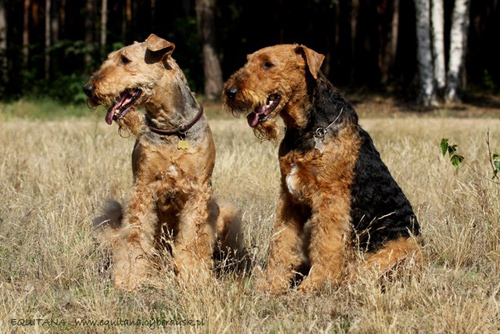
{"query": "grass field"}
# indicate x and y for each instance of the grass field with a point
(55, 175)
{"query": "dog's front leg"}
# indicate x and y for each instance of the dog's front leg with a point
(133, 247)
(286, 245)
(195, 238)
(330, 232)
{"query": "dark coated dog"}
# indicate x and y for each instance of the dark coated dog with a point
(336, 193)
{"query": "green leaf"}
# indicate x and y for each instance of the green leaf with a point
(496, 164)
(452, 149)
(444, 146)
(456, 160)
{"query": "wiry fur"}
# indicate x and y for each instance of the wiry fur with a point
(336, 193)
(225, 218)
(171, 195)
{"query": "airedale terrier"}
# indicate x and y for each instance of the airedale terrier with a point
(336, 193)
(172, 163)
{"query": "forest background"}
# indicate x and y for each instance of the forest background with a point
(420, 73)
(48, 48)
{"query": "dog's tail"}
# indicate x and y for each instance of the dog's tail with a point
(109, 221)
(230, 248)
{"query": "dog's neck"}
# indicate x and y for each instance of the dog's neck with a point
(295, 112)
(172, 103)
(294, 115)
(322, 105)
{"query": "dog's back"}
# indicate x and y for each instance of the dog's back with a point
(380, 211)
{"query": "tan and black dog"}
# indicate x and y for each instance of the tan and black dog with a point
(336, 193)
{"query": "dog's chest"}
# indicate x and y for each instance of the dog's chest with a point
(300, 180)
(293, 183)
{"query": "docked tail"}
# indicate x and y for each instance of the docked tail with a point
(109, 221)
(229, 247)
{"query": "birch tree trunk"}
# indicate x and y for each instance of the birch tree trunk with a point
(211, 63)
(438, 45)
(458, 45)
(47, 38)
(424, 54)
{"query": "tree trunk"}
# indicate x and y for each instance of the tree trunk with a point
(47, 38)
(153, 15)
(26, 33)
(389, 43)
(354, 31)
(3, 27)
(211, 63)
(128, 22)
(54, 23)
(89, 32)
(395, 31)
(458, 45)
(3, 45)
(424, 55)
(104, 23)
(438, 45)
(62, 17)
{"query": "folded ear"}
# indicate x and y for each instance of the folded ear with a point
(313, 59)
(160, 45)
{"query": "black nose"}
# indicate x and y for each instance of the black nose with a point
(88, 89)
(231, 92)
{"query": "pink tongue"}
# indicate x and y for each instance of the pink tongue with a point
(253, 119)
(118, 104)
(110, 114)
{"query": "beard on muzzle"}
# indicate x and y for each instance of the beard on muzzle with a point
(267, 130)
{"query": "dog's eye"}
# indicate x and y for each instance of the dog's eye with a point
(125, 60)
(267, 64)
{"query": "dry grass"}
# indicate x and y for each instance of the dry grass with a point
(56, 175)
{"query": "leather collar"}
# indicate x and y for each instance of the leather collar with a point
(181, 130)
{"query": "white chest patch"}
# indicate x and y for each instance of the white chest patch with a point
(171, 171)
(292, 182)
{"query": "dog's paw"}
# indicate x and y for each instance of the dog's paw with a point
(270, 284)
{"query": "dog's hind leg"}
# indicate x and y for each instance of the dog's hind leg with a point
(386, 260)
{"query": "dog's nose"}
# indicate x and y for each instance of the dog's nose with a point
(231, 92)
(88, 89)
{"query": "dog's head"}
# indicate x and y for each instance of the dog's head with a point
(273, 81)
(128, 77)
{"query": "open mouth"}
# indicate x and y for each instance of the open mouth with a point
(260, 113)
(123, 104)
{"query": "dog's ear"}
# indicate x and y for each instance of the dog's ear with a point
(159, 45)
(313, 59)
